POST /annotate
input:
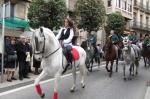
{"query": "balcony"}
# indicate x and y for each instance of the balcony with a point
(16, 1)
(140, 26)
(125, 13)
(142, 7)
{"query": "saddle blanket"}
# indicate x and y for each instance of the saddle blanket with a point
(75, 54)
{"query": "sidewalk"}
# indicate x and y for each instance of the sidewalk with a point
(16, 83)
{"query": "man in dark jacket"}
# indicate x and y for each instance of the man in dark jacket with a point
(21, 52)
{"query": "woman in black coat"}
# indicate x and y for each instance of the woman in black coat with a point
(11, 62)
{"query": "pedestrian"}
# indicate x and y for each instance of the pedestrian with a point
(29, 54)
(36, 65)
(99, 48)
(11, 60)
(22, 54)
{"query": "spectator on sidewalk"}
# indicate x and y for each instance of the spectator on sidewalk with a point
(29, 54)
(11, 60)
(22, 54)
(36, 65)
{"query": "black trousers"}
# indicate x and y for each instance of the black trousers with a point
(23, 69)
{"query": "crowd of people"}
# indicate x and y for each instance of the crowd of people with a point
(18, 56)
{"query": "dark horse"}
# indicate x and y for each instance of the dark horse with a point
(110, 56)
(145, 53)
(91, 55)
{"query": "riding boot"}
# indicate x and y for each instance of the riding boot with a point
(69, 62)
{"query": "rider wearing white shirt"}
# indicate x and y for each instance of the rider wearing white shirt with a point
(65, 37)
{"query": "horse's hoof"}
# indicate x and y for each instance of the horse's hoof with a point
(72, 90)
(125, 78)
(129, 78)
(83, 85)
(132, 74)
(136, 73)
(110, 75)
(43, 96)
(116, 71)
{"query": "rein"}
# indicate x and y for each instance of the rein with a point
(43, 50)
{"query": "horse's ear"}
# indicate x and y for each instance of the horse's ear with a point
(41, 29)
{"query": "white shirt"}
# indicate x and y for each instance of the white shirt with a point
(69, 39)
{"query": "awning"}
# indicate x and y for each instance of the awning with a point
(16, 23)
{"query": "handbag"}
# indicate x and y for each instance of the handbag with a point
(12, 58)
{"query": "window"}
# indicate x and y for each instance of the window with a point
(134, 17)
(135, 2)
(130, 6)
(141, 20)
(118, 3)
(147, 21)
(109, 3)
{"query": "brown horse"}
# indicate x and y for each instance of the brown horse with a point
(145, 52)
(110, 56)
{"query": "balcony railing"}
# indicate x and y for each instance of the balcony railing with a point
(141, 26)
(141, 6)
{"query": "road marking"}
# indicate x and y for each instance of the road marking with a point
(147, 95)
(43, 82)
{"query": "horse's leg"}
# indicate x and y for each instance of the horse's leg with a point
(111, 69)
(130, 70)
(137, 66)
(57, 79)
(133, 70)
(82, 70)
(124, 71)
(144, 61)
(38, 86)
(107, 62)
(92, 61)
(74, 79)
(117, 65)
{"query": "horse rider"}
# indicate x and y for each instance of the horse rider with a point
(133, 40)
(93, 39)
(114, 39)
(147, 41)
(65, 37)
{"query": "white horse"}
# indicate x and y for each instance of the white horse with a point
(47, 49)
(129, 56)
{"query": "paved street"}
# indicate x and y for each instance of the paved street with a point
(98, 86)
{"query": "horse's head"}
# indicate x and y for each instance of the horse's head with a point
(126, 43)
(38, 43)
(42, 40)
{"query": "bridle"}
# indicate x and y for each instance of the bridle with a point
(36, 52)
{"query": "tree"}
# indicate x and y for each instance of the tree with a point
(90, 14)
(50, 13)
(115, 21)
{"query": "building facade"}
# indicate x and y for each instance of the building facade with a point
(14, 9)
(141, 17)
